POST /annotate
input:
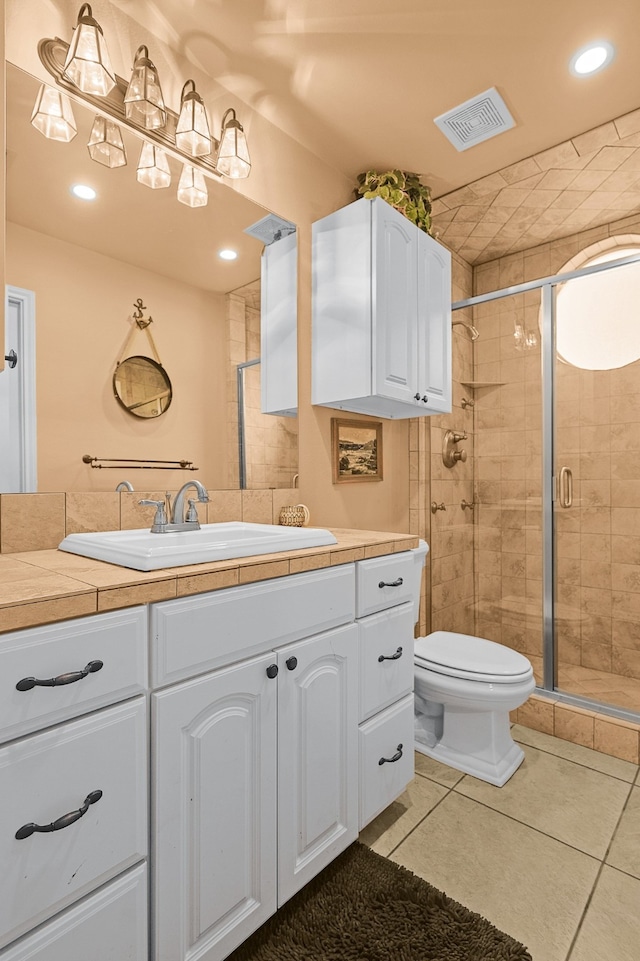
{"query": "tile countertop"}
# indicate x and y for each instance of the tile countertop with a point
(39, 587)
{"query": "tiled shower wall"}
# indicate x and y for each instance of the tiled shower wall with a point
(271, 443)
(598, 436)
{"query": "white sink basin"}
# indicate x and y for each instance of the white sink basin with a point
(144, 551)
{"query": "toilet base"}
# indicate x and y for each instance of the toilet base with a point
(476, 743)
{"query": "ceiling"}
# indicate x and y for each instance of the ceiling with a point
(359, 84)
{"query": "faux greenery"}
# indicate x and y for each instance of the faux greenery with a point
(402, 190)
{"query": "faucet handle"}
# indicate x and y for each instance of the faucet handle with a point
(192, 512)
(160, 519)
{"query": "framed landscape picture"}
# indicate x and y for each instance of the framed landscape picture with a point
(356, 450)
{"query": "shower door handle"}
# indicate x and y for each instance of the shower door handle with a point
(566, 487)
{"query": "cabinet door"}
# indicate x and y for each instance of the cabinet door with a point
(214, 793)
(317, 755)
(278, 328)
(434, 324)
(395, 304)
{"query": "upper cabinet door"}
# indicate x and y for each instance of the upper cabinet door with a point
(395, 296)
(434, 323)
(279, 327)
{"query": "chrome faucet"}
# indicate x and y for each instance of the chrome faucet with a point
(124, 486)
(168, 519)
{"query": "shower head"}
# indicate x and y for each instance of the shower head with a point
(474, 333)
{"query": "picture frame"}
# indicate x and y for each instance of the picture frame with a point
(356, 447)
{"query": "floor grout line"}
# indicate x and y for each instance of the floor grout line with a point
(421, 821)
(569, 760)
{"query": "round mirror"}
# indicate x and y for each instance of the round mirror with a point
(142, 386)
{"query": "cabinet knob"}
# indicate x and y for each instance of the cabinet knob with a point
(416, 396)
(425, 399)
(292, 663)
(272, 670)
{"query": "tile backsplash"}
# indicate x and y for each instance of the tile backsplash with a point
(38, 522)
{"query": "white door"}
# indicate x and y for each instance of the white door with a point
(395, 298)
(317, 755)
(434, 324)
(214, 796)
(18, 396)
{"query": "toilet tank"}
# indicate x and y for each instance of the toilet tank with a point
(419, 555)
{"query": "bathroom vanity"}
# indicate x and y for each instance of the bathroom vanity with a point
(248, 732)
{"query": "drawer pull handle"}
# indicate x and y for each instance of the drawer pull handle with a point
(28, 829)
(397, 583)
(29, 682)
(390, 657)
(391, 760)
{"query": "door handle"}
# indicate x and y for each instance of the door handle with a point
(565, 487)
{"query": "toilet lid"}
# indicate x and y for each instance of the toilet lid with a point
(463, 655)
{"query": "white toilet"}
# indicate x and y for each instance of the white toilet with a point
(464, 689)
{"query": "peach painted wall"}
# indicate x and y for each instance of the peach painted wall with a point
(83, 305)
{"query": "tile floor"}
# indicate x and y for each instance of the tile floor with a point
(552, 858)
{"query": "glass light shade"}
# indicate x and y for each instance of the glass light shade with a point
(143, 101)
(105, 143)
(192, 189)
(193, 136)
(233, 154)
(88, 64)
(153, 167)
(52, 115)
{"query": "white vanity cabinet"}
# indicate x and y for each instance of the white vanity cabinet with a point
(381, 329)
(386, 619)
(73, 789)
(255, 765)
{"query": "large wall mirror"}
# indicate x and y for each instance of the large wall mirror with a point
(87, 262)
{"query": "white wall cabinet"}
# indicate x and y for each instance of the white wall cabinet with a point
(381, 335)
(279, 327)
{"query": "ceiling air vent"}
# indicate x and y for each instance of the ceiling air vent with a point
(270, 229)
(476, 120)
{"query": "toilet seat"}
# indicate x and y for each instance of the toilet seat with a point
(471, 658)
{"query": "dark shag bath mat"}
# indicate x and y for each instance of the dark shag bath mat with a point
(364, 907)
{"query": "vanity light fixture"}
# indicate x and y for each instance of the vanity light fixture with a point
(153, 167)
(233, 154)
(192, 131)
(143, 101)
(192, 189)
(88, 66)
(105, 143)
(52, 115)
(228, 254)
(592, 58)
(83, 192)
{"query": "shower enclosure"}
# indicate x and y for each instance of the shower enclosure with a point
(557, 489)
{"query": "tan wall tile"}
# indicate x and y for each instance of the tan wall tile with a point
(31, 522)
(574, 724)
(224, 506)
(94, 511)
(616, 738)
(257, 506)
(537, 713)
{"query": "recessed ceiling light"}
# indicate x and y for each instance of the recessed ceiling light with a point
(83, 192)
(592, 58)
(228, 254)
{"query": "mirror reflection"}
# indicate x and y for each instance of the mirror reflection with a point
(86, 262)
(142, 386)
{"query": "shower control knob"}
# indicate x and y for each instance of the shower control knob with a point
(460, 455)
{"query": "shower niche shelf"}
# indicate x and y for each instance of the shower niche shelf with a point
(474, 384)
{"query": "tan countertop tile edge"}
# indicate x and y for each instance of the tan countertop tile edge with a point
(54, 585)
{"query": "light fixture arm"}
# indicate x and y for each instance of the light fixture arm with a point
(53, 52)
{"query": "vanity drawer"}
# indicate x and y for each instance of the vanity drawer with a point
(199, 633)
(117, 638)
(387, 635)
(110, 925)
(394, 572)
(48, 775)
(385, 736)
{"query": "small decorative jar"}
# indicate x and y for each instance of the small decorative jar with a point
(294, 515)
